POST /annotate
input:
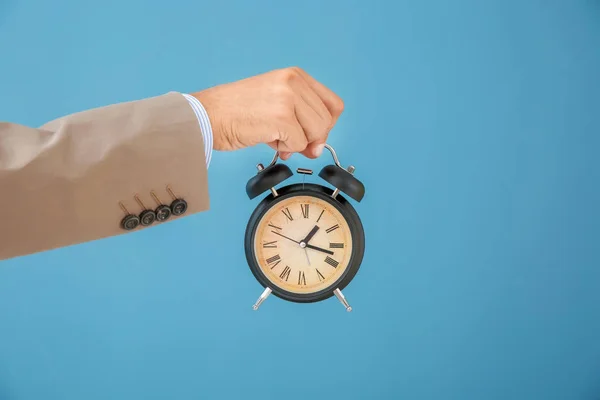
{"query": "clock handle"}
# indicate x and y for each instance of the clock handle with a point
(342, 179)
(327, 146)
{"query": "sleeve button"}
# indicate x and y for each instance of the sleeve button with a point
(130, 222)
(178, 206)
(147, 217)
(163, 213)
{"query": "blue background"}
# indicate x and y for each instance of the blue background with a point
(474, 126)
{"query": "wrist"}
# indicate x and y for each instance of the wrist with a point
(210, 100)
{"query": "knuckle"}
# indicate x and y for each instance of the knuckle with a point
(282, 111)
(290, 73)
(284, 94)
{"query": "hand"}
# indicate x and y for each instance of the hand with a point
(286, 109)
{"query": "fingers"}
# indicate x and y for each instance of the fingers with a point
(302, 113)
(332, 101)
(314, 150)
(317, 110)
(313, 116)
(293, 139)
(284, 155)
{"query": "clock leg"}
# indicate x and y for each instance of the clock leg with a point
(342, 299)
(262, 298)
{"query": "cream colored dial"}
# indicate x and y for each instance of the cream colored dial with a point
(293, 264)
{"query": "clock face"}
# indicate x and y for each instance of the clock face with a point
(303, 244)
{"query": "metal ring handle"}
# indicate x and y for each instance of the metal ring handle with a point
(327, 146)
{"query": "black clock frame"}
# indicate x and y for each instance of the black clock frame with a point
(347, 211)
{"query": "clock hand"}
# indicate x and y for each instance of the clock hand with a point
(311, 234)
(307, 259)
(310, 246)
(277, 233)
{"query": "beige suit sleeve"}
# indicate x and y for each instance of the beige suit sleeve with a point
(62, 184)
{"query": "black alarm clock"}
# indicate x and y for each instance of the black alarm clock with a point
(304, 242)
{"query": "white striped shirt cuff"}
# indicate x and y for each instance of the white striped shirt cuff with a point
(205, 126)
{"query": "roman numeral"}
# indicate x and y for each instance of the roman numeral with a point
(286, 273)
(320, 215)
(288, 214)
(275, 259)
(276, 227)
(270, 245)
(333, 228)
(331, 262)
(301, 278)
(304, 208)
(336, 245)
(321, 277)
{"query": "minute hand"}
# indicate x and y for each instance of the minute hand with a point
(277, 233)
(310, 246)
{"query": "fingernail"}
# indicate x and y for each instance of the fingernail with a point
(319, 150)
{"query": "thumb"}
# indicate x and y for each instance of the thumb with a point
(314, 150)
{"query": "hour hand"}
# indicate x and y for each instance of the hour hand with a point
(311, 234)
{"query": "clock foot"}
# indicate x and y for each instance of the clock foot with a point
(342, 299)
(262, 298)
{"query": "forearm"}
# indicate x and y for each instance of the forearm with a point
(68, 181)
